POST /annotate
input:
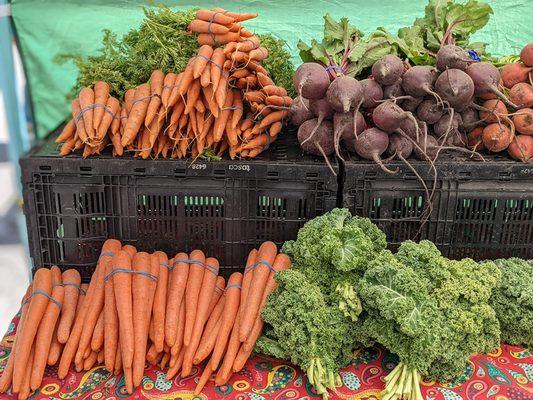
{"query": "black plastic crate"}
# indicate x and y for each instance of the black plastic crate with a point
(224, 207)
(480, 209)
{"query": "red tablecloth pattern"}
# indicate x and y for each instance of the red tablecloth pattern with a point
(506, 374)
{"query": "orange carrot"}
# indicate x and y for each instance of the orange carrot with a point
(206, 374)
(265, 257)
(174, 369)
(96, 300)
(222, 91)
(98, 334)
(86, 99)
(176, 290)
(112, 109)
(209, 99)
(220, 123)
(242, 356)
(123, 298)
(255, 96)
(38, 304)
(272, 90)
(247, 278)
(101, 94)
(160, 300)
(237, 113)
(137, 115)
(43, 339)
(209, 336)
(257, 67)
(7, 374)
(156, 88)
(238, 17)
(233, 294)
(175, 93)
(200, 61)
(264, 80)
(81, 132)
(168, 84)
(212, 16)
(55, 350)
(231, 352)
(258, 141)
(151, 355)
(217, 61)
(192, 292)
(89, 362)
(68, 131)
(71, 281)
(217, 293)
(206, 292)
(100, 357)
(275, 129)
(118, 362)
(131, 250)
(205, 79)
(258, 54)
(273, 117)
(110, 322)
(142, 309)
(178, 344)
(192, 96)
(199, 26)
(187, 78)
(24, 391)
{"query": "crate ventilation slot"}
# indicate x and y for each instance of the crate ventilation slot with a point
(204, 206)
(271, 207)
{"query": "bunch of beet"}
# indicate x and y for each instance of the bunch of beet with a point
(508, 125)
(422, 111)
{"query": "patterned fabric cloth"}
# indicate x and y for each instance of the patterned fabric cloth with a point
(506, 374)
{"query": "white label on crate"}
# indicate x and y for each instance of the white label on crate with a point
(526, 171)
(239, 167)
(199, 166)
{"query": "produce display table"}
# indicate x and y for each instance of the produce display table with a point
(506, 374)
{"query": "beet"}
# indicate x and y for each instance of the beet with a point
(470, 118)
(526, 55)
(321, 110)
(521, 95)
(343, 93)
(514, 73)
(317, 138)
(521, 148)
(311, 80)
(387, 70)
(474, 140)
(372, 92)
(418, 80)
(523, 121)
(388, 116)
(399, 146)
(451, 56)
(411, 103)
(343, 128)
(429, 111)
(456, 87)
(428, 148)
(370, 145)
(486, 78)
(448, 125)
(496, 137)
(299, 111)
(494, 111)
(393, 91)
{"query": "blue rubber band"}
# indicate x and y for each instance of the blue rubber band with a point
(129, 271)
(167, 266)
(42, 293)
(211, 269)
(335, 67)
(258, 263)
(219, 289)
(233, 285)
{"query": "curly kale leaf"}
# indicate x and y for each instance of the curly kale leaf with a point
(513, 301)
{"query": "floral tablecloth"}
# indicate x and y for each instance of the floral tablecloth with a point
(506, 374)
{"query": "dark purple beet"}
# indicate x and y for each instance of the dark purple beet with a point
(372, 92)
(387, 70)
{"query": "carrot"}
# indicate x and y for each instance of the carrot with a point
(200, 61)
(168, 84)
(271, 118)
(231, 353)
(101, 94)
(98, 334)
(213, 16)
(36, 310)
(71, 281)
(142, 309)
(187, 78)
(122, 287)
(220, 123)
(217, 40)
(137, 115)
(257, 67)
(281, 263)
(199, 26)
(204, 300)
(238, 17)
(217, 293)
(24, 391)
(131, 250)
(77, 116)
(43, 339)
(118, 362)
(100, 357)
(255, 96)
(151, 354)
(7, 374)
(55, 350)
(258, 54)
(221, 92)
(247, 278)
(209, 99)
(192, 292)
(156, 89)
(176, 290)
(175, 367)
(275, 128)
(178, 344)
(205, 78)
(160, 300)
(258, 141)
(210, 333)
(206, 374)
(175, 93)
(233, 293)
(89, 362)
(86, 99)
(96, 300)
(265, 257)
(112, 108)
(272, 90)
(264, 80)
(237, 113)
(242, 356)
(68, 131)
(192, 96)
(217, 61)
(280, 101)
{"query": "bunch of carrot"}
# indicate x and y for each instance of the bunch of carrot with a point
(224, 100)
(142, 307)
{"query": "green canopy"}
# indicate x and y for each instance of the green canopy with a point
(46, 28)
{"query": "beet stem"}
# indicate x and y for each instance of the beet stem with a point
(378, 161)
(319, 121)
(326, 158)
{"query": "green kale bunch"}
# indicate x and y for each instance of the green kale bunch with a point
(303, 328)
(431, 311)
(513, 301)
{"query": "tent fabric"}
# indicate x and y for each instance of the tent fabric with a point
(46, 28)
